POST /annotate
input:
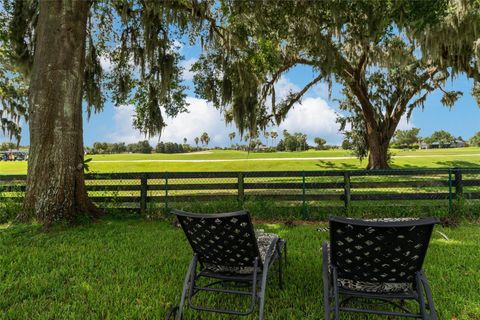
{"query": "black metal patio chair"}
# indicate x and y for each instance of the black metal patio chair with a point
(377, 261)
(231, 257)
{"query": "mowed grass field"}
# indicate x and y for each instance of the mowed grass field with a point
(227, 160)
(134, 269)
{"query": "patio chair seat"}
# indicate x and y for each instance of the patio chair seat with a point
(264, 242)
(374, 287)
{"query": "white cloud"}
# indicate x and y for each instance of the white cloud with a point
(187, 65)
(202, 117)
(405, 124)
(321, 90)
(106, 63)
(123, 130)
(315, 118)
(178, 44)
(283, 87)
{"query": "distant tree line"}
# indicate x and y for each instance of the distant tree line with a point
(171, 147)
(108, 148)
(5, 146)
(139, 147)
(296, 141)
(293, 142)
(410, 139)
(475, 140)
(121, 147)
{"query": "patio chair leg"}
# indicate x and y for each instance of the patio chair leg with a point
(280, 271)
(263, 286)
(186, 286)
(421, 302)
(336, 299)
(423, 287)
(326, 281)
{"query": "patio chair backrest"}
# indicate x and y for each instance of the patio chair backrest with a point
(221, 239)
(379, 251)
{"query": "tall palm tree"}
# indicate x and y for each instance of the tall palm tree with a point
(274, 136)
(205, 138)
(266, 134)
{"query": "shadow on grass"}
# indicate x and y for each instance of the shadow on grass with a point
(325, 164)
(406, 166)
(458, 164)
(332, 165)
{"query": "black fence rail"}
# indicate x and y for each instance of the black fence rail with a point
(304, 194)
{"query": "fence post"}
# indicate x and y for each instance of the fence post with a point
(346, 190)
(450, 202)
(241, 190)
(143, 192)
(458, 184)
(304, 204)
(166, 192)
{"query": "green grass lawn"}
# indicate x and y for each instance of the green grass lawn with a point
(243, 161)
(134, 269)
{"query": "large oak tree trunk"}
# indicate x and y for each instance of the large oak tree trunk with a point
(55, 182)
(378, 143)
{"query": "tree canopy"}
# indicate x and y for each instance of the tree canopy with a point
(441, 136)
(406, 138)
(363, 45)
(475, 140)
(13, 91)
(320, 142)
(136, 41)
(205, 138)
(293, 142)
(451, 39)
(56, 48)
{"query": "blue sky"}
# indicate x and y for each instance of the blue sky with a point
(315, 116)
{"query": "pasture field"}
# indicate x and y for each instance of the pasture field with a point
(134, 269)
(228, 160)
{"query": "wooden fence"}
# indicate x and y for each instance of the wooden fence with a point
(342, 188)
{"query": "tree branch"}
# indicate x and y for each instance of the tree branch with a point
(361, 92)
(294, 98)
(361, 64)
(290, 63)
(356, 81)
(401, 107)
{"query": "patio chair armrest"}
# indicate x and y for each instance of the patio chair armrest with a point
(270, 251)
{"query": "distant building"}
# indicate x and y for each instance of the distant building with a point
(437, 145)
(13, 155)
(261, 147)
(441, 145)
(458, 144)
(422, 145)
